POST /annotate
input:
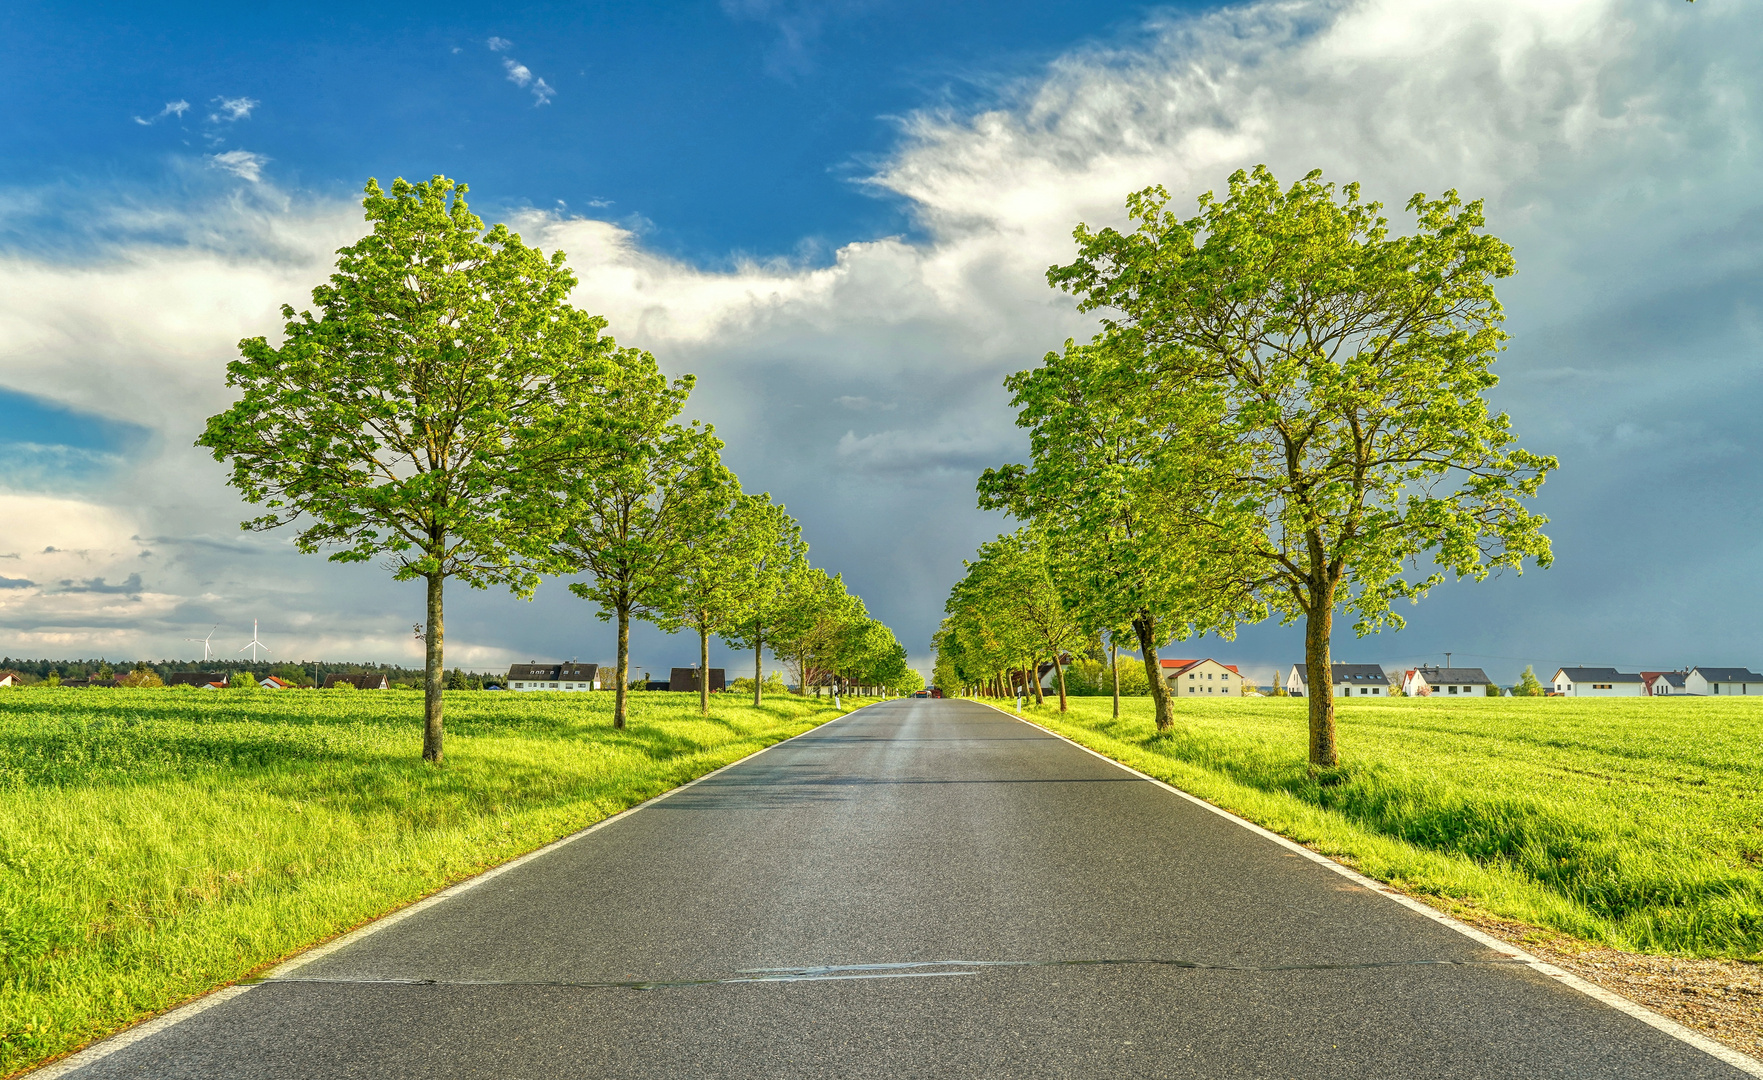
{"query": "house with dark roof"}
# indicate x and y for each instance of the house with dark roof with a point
(1350, 680)
(686, 678)
(367, 680)
(570, 676)
(1598, 682)
(1196, 677)
(1436, 681)
(1722, 681)
(1664, 683)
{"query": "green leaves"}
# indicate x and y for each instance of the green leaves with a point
(430, 411)
(1285, 413)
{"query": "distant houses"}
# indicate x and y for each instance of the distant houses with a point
(1350, 680)
(570, 676)
(1198, 677)
(1597, 682)
(1434, 681)
(206, 680)
(363, 681)
(1722, 681)
(1692, 682)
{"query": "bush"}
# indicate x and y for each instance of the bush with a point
(141, 679)
(1091, 678)
(774, 684)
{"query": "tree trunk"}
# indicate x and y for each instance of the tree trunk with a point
(1059, 673)
(431, 675)
(624, 665)
(1146, 629)
(1114, 666)
(758, 660)
(1317, 626)
(1034, 673)
(703, 671)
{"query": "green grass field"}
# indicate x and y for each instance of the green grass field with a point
(155, 844)
(1634, 823)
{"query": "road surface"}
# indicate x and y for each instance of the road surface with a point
(921, 889)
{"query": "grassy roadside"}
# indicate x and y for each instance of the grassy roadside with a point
(1634, 824)
(157, 844)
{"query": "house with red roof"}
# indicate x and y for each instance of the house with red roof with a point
(1202, 678)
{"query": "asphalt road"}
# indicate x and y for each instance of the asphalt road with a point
(923, 888)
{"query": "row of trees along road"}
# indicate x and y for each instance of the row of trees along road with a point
(448, 411)
(1284, 413)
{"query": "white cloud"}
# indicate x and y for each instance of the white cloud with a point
(521, 75)
(230, 110)
(172, 108)
(241, 163)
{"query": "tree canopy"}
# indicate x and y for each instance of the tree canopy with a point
(443, 380)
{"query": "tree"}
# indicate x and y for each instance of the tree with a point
(629, 522)
(1099, 437)
(813, 630)
(1322, 386)
(771, 553)
(702, 596)
(443, 375)
(1528, 685)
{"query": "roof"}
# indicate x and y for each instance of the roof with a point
(1176, 667)
(553, 672)
(1599, 674)
(1452, 675)
(1672, 678)
(1727, 674)
(1348, 673)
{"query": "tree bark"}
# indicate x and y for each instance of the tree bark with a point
(624, 665)
(703, 671)
(1034, 673)
(1146, 628)
(431, 676)
(758, 661)
(1114, 666)
(1317, 626)
(1059, 673)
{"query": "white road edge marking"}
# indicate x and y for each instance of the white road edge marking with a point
(1742, 1062)
(129, 1036)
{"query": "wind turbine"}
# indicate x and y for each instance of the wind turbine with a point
(206, 651)
(254, 644)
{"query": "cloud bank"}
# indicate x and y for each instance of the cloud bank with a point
(1616, 144)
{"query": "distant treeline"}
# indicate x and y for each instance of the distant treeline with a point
(300, 674)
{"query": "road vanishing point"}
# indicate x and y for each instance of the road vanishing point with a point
(923, 888)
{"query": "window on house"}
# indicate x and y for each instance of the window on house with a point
(1452, 690)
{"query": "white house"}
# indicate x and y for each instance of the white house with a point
(270, 682)
(1453, 681)
(1664, 683)
(1722, 681)
(1197, 678)
(1350, 680)
(1598, 682)
(570, 676)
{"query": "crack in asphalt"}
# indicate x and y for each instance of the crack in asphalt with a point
(914, 969)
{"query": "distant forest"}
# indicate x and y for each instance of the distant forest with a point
(300, 674)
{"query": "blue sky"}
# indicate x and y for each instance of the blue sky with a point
(739, 127)
(838, 216)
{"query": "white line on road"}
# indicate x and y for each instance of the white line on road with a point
(1621, 1004)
